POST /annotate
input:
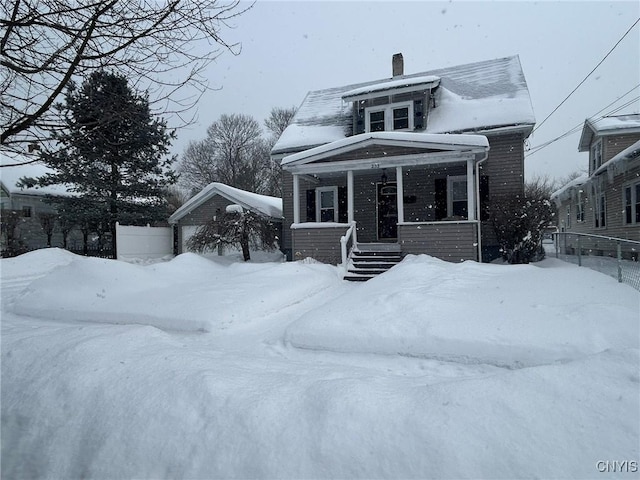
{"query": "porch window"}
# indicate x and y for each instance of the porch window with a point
(631, 200)
(457, 196)
(327, 204)
(397, 116)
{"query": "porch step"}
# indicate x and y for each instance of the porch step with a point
(368, 261)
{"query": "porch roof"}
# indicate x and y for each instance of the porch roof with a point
(418, 148)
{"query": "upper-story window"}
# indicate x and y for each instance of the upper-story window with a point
(397, 116)
(596, 156)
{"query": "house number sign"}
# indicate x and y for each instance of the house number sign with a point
(375, 165)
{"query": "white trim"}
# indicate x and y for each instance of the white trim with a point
(350, 201)
(471, 197)
(438, 222)
(383, 162)
(388, 116)
(296, 198)
(319, 191)
(400, 194)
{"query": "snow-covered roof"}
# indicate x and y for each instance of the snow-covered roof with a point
(394, 84)
(611, 166)
(474, 97)
(10, 176)
(563, 192)
(607, 126)
(430, 140)
(628, 153)
(270, 206)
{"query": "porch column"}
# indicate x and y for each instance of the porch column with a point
(296, 198)
(471, 192)
(350, 196)
(400, 194)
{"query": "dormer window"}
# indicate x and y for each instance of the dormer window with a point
(387, 118)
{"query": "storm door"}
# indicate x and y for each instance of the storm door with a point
(387, 211)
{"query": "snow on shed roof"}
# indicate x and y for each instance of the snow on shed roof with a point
(270, 206)
(563, 191)
(628, 153)
(607, 126)
(11, 175)
(393, 84)
(473, 97)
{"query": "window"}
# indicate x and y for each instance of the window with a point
(327, 204)
(596, 156)
(26, 211)
(580, 210)
(398, 116)
(601, 211)
(568, 216)
(457, 203)
(631, 199)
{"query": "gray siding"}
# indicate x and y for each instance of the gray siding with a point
(454, 242)
(504, 169)
(200, 215)
(321, 244)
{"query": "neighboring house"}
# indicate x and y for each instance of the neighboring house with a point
(212, 202)
(29, 204)
(412, 161)
(606, 201)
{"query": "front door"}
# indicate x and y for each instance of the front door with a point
(387, 211)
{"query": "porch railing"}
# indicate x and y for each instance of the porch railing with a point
(616, 257)
(350, 234)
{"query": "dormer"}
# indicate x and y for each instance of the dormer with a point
(398, 104)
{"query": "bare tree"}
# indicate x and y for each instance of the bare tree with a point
(233, 153)
(279, 119)
(45, 44)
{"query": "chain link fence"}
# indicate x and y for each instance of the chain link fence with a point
(616, 257)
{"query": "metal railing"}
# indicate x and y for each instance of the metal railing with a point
(616, 257)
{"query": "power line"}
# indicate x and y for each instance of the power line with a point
(579, 126)
(588, 75)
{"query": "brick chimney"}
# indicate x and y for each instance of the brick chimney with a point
(397, 65)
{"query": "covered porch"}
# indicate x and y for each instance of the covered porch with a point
(419, 191)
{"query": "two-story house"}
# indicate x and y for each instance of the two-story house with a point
(606, 200)
(409, 162)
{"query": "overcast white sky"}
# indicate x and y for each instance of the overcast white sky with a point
(289, 48)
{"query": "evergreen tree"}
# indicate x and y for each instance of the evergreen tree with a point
(112, 151)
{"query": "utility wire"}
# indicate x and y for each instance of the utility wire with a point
(588, 75)
(579, 126)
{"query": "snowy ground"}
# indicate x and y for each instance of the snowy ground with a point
(196, 368)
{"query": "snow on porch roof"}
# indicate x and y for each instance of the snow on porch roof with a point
(427, 81)
(424, 140)
(473, 97)
(270, 206)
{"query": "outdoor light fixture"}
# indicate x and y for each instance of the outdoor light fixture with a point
(384, 176)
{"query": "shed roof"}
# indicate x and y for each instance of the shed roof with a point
(475, 97)
(270, 206)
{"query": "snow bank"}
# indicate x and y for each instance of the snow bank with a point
(472, 313)
(188, 293)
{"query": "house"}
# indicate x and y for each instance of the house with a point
(213, 201)
(25, 212)
(408, 163)
(606, 200)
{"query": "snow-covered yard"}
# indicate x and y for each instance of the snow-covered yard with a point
(195, 368)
